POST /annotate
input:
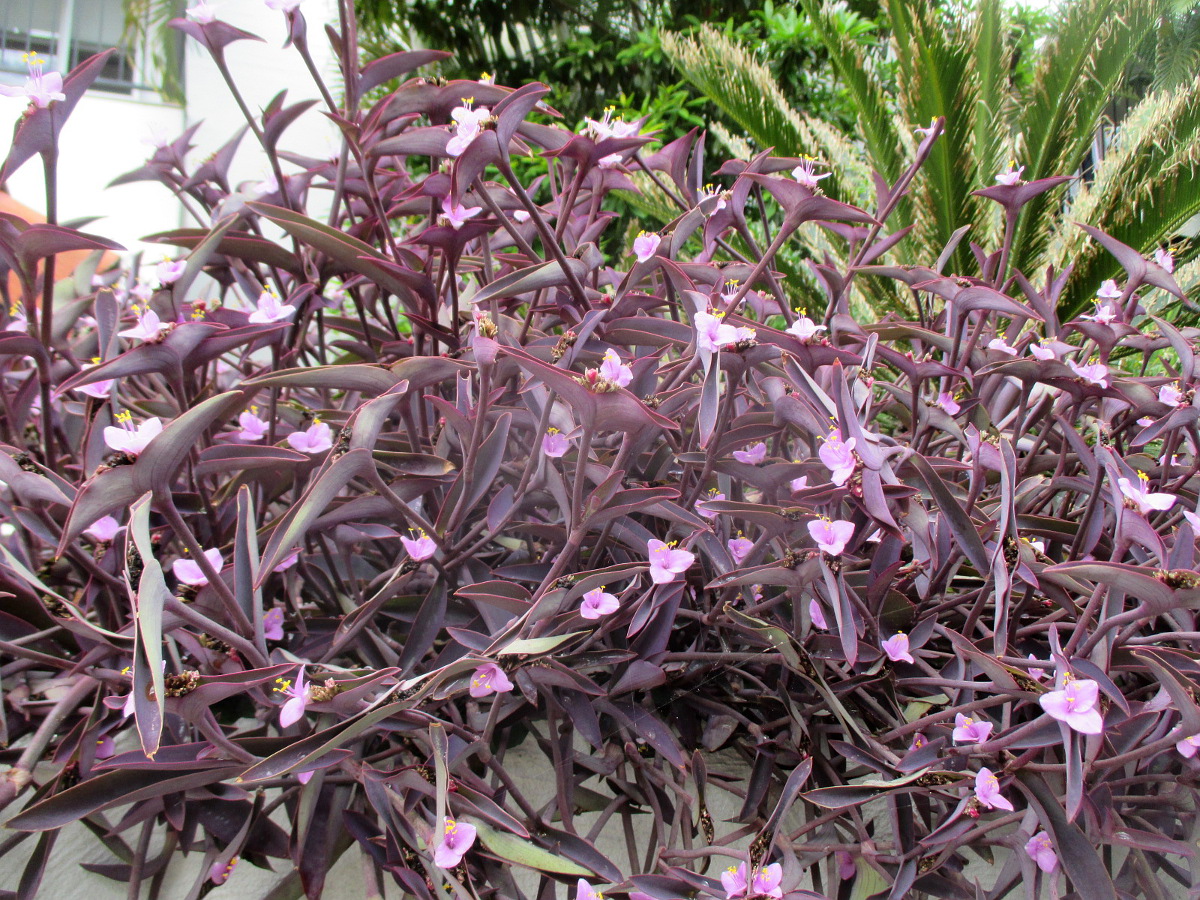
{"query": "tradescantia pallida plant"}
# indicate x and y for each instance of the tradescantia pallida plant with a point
(291, 570)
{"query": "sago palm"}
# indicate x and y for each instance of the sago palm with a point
(960, 64)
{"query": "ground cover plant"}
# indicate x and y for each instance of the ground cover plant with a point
(293, 569)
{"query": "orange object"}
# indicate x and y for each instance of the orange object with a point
(65, 263)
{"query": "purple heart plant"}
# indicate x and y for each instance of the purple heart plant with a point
(462, 462)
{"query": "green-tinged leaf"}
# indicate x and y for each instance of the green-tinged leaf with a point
(149, 687)
(521, 852)
(842, 796)
(537, 646)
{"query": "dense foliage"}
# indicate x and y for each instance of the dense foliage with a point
(301, 565)
(596, 53)
(1048, 106)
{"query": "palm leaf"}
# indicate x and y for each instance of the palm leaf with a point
(1078, 74)
(1144, 191)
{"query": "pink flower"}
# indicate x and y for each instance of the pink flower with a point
(219, 872)
(584, 891)
(924, 131)
(188, 571)
(1188, 746)
(269, 309)
(765, 882)
(148, 327)
(1165, 259)
(1109, 290)
(947, 402)
(554, 443)
(17, 320)
(838, 456)
(420, 547)
(712, 333)
(269, 185)
(456, 214)
(1076, 705)
(287, 562)
(457, 838)
(1036, 674)
(799, 484)
(608, 127)
(1095, 373)
(141, 292)
(468, 122)
(805, 328)
(614, 370)
(521, 215)
(702, 509)
(253, 428)
(806, 175)
(666, 561)
(831, 536)
(817, 615)
(273, 624)
(1106, 314)
(710, 193)
(597, 603)
(317, 438)
(970, 731)
(610, 161)
(169, 271)
(1002, 347)
(286, 6)
(98, 389)
(489, 679)
(1040, 849)
(987, 791)
(1012, 176)
(739, 548)
(40, 89)
(1144, 499)
(1146, 421)
(124, 438)
(755, 456)
(1037, 351)
(645, 245)
(845, 862)
(896, 648)
(103, 529)
(203, 12)
(105, 748)
(299, 696)
(1170, 395)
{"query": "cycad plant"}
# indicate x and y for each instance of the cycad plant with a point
(1048, 114)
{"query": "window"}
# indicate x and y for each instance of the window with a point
(67, 32)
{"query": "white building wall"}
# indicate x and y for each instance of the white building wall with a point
(107, 133)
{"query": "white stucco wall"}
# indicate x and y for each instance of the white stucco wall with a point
(106, 134)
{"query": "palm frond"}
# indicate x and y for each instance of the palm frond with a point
(1145, 190)
(740, 86)
(1079, 72)
(938, 79)
(871, 101)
